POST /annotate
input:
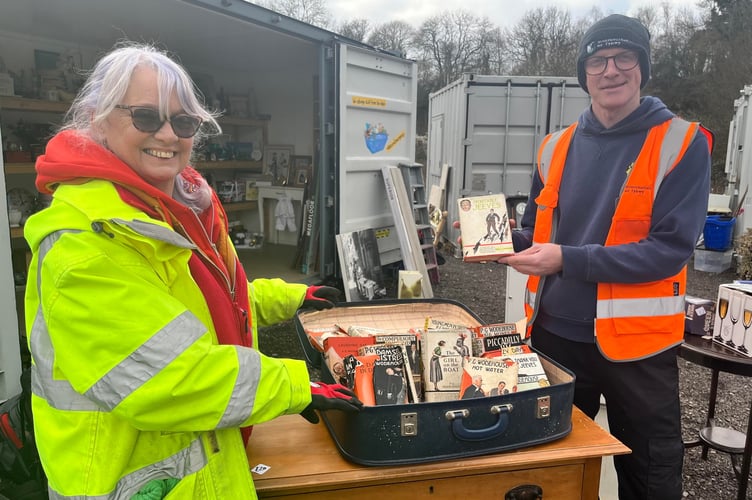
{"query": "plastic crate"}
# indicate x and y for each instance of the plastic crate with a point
(712, 261)
(718, 232)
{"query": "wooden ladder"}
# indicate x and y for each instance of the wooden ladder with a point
(412, 174)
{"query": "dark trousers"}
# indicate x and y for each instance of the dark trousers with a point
(642, 398)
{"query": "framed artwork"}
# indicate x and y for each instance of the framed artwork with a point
(277, 160)
(300, 173)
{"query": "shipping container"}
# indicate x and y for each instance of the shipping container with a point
(487, 129)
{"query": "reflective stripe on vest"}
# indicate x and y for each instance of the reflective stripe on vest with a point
(651, 314)
(150, 358)
(111, 389)
(187, 461)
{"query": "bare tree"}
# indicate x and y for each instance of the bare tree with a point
(450, 44)
(309, 11)
(357, 29)
(544, 42)
(396, 36)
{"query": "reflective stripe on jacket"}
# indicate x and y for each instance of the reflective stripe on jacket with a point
(129, 383)
(633, 321)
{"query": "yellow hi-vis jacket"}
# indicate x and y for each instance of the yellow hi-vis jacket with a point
(129, 383)
(633, 321)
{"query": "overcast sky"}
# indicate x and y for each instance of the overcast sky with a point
(504, 13)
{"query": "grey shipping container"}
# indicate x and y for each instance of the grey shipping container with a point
(487, 129)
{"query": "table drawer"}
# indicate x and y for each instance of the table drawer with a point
(562, 483)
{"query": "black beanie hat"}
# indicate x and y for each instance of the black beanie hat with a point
(615, 30)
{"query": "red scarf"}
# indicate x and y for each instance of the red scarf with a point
(72, 158)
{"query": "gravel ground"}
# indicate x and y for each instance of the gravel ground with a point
(709, 479)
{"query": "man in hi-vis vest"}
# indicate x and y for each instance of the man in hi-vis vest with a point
(616, 207)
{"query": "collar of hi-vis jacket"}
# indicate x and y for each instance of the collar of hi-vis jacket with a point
(662, 149)
(73, 158)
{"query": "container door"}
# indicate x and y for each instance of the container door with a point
(505, 128)
(377, 108)
(10, 353)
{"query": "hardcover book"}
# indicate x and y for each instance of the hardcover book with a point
(336, 350)
(345, 345)
(492, 337)
(531, 374)
(361, 370)
(484, 227)
(389, 379)
(442, 352)
(411, 344)
(488, 377)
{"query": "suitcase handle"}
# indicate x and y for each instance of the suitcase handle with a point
(465, 434)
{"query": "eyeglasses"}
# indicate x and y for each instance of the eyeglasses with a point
(623, 61)
(148, 120)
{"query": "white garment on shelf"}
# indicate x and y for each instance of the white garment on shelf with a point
(285, 215)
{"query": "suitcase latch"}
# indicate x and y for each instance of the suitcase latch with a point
(409, 424)
(544, 407)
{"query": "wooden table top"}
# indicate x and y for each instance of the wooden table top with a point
(302, 456)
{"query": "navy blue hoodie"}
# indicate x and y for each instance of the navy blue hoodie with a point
(595, 171)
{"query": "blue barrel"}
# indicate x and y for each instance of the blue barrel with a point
(719, 232)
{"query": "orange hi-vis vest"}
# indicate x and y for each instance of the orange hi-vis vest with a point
(632, 321)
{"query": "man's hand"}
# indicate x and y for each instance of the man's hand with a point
(320, 297)
(538, 260)
(330, 397)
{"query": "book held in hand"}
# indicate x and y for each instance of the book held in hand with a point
(484, 227)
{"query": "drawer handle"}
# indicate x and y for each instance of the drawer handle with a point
(465, 434)
(525, 492)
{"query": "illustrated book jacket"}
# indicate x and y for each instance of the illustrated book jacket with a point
(488, 377)
(484, 227)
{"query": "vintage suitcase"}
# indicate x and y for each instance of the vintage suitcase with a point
(424, 432)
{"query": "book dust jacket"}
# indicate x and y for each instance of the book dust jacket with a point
(484, 227)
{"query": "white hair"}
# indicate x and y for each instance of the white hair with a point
(109, 80)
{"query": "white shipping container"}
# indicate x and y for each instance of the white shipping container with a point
(488, 130)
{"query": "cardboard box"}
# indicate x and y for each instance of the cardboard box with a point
(698, 315)
(733, 317)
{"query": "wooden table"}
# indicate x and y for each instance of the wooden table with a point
(719, 358)
(305, 463)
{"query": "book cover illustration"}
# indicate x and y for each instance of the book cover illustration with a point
(442, 352)
(336, 351)
(493, 337)
(531, 374)
(488, 377)
(361, 265)
(411, 352)
(484, 227)
(360, 369)
(389, 380)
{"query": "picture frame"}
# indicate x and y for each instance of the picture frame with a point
(301, 171)
(277, 162)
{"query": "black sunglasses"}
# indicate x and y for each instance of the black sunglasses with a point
(148, 120)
